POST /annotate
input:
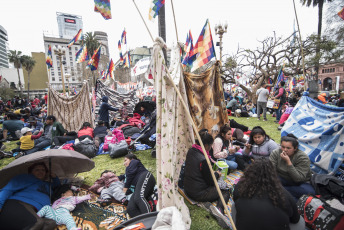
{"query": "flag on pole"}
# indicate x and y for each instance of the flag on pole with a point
(103, 7)
(124, 37)
(75, 39)
(93, 63)
(127, 60)
(81, 55)
(111, 68)
(203, 50)
(154, 9)
(102, 75)
(120, 52)
(280, 77)
(49, 60)
(341, 14)
(187, 47)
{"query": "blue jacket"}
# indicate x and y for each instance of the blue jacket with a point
(104, 110)
(28, 189)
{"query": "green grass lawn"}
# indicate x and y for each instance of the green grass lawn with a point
(200, 218)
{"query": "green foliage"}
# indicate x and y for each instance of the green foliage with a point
(6, 93)
(15, 57)
(91, 42)
(28, 63)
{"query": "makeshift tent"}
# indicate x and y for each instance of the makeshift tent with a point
(115, 98)
(320, 131)
(206, 99)
(174, 131)
(72, 111)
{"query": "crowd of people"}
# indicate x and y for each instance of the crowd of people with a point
(275, 175)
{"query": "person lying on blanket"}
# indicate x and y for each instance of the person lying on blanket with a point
(109, 186)
(61, 208)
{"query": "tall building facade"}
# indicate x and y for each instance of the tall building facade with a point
(68, 24)
(71, 70)
(3, 48)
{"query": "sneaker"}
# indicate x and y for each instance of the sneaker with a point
(104, 202)
(276, 121)
(206, 206)
(279, 127)
(265, 119)
(221, 219)
(20, 154)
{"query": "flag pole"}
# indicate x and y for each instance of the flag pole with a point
(175, 23)
(300, 41)
(143, 21)
(197, 134)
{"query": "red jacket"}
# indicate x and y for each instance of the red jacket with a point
(88, 131)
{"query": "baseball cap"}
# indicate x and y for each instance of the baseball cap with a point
(25, 130)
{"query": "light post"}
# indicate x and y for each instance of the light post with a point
(67, 75)
(220, 30)
(59, 52)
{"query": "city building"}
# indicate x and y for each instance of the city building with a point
(11, 75)
(68, 24)
(331, 77)
(38, 77)
(69, 65)
(3, 48)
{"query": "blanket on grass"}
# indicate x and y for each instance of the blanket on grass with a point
(72, 111)
(206, 99)
(91, 216)
(319, 129)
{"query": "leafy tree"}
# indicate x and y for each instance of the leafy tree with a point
(92, 44)
(6, 93)
(28, 63)
(15, 57)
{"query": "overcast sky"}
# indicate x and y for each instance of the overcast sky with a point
(248, 21)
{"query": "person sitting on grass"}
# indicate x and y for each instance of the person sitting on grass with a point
(26, 141)
(109, 186)
(85, 132)
(260, 197)
(100, 132)
(12, 126)
(198, 182)
(222, 147)
(61, 208)
(258, 145)
(293, 167)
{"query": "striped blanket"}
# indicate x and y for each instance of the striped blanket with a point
(320, 131)
(115, 98)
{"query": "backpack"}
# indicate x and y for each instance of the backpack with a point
(328, 186)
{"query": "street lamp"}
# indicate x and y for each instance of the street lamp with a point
(59, 52)
(68, 75)
(220, 30)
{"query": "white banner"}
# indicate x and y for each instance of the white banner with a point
(141, 67)
(337, 83)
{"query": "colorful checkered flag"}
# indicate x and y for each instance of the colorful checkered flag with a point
(203, 50)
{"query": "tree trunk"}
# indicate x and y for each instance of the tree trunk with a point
(28, 86)
(19, 83)
(314, 86)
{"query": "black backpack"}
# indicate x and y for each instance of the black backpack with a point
(328, 186)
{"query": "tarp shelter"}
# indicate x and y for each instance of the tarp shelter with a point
(319, 129)
(206, 99)
(115, 98)
(174, 131)
(72, 111)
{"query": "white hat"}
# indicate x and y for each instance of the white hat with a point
(25, 130)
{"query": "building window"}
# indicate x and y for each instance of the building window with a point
(60, 79)
(53, 78)
(65, 69)
(73, 78)
(59, 73)
(70, 58)
(71, 62)
(70, 48)
(52, 73)
(322, 70)
(70, 53)
(64, 58)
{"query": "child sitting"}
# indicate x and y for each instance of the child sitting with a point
(109, 186)
(26, 141)
(61, 208)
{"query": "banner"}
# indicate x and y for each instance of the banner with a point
(141, 67)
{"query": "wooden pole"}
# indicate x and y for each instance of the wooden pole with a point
(198, 137)
(175, 23)
(143, 21)
(300, 41)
